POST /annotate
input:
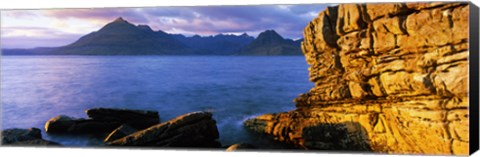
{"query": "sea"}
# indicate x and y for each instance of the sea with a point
(234, 88)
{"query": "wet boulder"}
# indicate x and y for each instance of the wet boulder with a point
(196, 129)
(15, 135)
(66, 124)
(31, 136)
(139, 119)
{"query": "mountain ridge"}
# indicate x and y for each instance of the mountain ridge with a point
(120, 37)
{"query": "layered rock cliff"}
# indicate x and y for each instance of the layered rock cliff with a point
(390, 78)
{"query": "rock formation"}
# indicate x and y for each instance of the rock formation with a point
(389, 78)
(196, 129)
(24, 137)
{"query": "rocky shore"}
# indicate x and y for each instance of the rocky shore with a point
(389, 78)
(123, 127)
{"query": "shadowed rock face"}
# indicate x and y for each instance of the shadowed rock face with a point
(196, 129)
(139, 119)
(398, 70)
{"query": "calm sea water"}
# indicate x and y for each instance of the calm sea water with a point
(37, 88)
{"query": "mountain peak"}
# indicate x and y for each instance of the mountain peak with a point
(270, 42)
(119, 19)
(270, 32)
(124, 38)
(119, 25)
(269, 37)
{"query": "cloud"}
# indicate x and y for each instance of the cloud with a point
(288, 20)
(31, 37)
(102, 15)
(20, 13)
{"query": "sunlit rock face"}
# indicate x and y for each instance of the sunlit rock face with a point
(389, 77)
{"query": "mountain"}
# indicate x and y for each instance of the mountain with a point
(270, 43)
(215, 45)
(121, 37)
(118, 37)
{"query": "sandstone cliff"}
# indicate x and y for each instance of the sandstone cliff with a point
(390, 78)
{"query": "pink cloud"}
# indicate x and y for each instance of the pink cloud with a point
(31, 37)
(99, 15)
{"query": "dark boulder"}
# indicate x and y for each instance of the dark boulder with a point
(139, 119)
(65, 124)
(240, 146)
(31, 136)
(120, 132)
(15, 135)
(197, 129)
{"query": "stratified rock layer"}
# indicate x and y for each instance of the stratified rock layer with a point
(388, 77)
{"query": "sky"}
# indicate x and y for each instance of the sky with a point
(58, 27)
